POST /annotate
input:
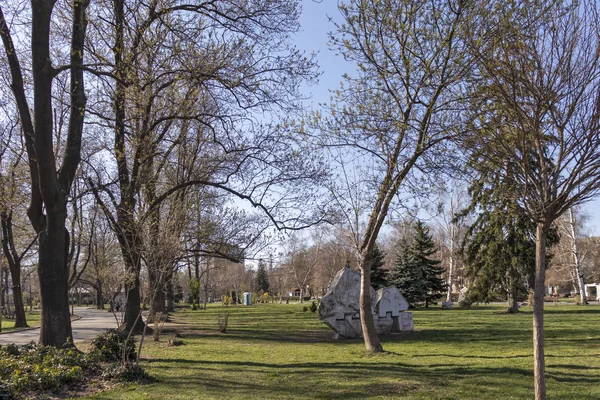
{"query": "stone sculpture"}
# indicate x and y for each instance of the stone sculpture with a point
(339, 307)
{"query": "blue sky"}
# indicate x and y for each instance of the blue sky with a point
(315, 25)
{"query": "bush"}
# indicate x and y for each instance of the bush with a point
(313, 307)
(305, 308)
(6, 392)
(194, 306)
(40, 368)
(108, 347)
(127, 372)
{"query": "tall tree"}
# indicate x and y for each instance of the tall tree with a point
(50, 182)
(499, 247)
(539, 116)
(194, 103)
(262, 277)
(392, 114)
(416, 272)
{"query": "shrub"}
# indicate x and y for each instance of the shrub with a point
(127, 372)
(313, 306)
(6, 391)
(40, 368)
(108, 346)
(305, 308)
(194, 306)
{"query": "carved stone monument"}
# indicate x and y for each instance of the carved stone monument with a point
(339, 307)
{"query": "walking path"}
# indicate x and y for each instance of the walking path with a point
(91, 324)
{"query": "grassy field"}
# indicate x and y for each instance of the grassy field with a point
(279, 352)
(33, 319)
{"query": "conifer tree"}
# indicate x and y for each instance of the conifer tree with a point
(416, 274)
(378, 274)
(262, 278)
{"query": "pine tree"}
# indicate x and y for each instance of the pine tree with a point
(378, 274)
(423, 251)
(499, 247)
(262, 277)
(416, 274)
(407, 276)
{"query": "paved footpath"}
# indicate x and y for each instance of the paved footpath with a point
(91, 323)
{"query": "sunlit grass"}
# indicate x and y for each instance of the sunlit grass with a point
(279, 352)
(33, 320)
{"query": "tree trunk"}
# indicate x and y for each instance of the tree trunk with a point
(372, 343)
(55, 323)
(99, 295)
(133, 307)
(20, 318)
(576, 260)
(539, 363)
(14, 264)
(158, 304)
(451, 266)
(513, 304)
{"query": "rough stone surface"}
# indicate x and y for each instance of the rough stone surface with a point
(339, 307)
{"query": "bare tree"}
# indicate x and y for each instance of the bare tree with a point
(393, 116)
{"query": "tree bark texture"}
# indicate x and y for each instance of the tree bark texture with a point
(372, 343)
(50, 186)
(14, 265)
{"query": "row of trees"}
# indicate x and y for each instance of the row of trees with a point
(153, 115)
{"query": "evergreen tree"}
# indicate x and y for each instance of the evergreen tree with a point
(416, 274)
(378, 274)
(499, 247)
(262, 277)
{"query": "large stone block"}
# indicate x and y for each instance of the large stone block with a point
(339, 307)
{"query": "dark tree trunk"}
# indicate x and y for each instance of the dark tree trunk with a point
(49, 187)
(99, 295)
(158, 303)
(133, 307)
(20, 318)
(54, 289)
(14, 264)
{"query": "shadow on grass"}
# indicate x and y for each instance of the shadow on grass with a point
(367, 380)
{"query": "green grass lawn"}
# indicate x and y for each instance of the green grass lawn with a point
(33, 319)
(279, 352)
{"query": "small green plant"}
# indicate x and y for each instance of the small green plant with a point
(305, 309)
(194, 306)
(39, 368)
(127, 372)
(108, 347)
(313, 307)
